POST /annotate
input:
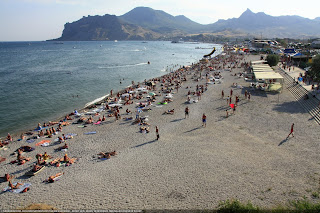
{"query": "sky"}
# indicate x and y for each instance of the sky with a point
(38, 20)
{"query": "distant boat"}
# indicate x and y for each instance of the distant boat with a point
(115, 40)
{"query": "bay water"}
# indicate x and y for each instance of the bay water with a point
(42, 81)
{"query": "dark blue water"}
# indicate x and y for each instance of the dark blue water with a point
(42, 81)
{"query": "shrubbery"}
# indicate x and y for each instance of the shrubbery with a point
(272, 60)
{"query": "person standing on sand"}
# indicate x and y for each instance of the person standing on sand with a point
(204, 120)
(291, 131)
(186, 113)
(227, 113)
(157, 133)
(222, 94)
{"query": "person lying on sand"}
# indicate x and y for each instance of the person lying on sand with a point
(52, 123)
(107, 154)
(52, 178)
(65, 146)
(171, 112)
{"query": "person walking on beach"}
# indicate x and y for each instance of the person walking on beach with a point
(157, 133)
(204, 120)
(222, 94)
(186, 113)
(291, 131)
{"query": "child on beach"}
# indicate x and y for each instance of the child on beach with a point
(204, 120)
(291, 131)
(186, 112)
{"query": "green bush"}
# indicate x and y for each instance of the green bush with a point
(272, 60)
(315, 68)
(236, 206)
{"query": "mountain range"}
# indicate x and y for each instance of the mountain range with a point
(143, 23)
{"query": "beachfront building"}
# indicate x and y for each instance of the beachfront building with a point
(266, 78)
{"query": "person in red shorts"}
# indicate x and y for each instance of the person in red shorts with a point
(291, 131)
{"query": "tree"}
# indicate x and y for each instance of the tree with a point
(315, 68)
(272, 60)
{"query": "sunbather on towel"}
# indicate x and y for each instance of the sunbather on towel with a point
(17, 186)
(52, 178)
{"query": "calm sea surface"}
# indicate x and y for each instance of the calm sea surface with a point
(42, 81)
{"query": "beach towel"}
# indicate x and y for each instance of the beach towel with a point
(19, 190)
(99, 122)
(90, 133)
(71, 134)
(56, 140)
(42, 142)
(30, 140)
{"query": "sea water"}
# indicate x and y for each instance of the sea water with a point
(42, 81)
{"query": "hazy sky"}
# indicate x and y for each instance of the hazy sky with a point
(37, 20)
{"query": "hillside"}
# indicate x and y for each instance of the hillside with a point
(143, 23)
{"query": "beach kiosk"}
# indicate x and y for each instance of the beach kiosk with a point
(269, 81)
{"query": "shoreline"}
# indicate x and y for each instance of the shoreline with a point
(29, 127)
(244, 156)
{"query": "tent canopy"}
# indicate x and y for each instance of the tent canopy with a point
(267, 75)
(258, 62)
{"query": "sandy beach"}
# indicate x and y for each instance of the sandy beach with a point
(245, 156)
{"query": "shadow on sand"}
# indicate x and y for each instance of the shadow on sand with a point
(284, 141)
(176, 120)
(193, 129)
(150, 142)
